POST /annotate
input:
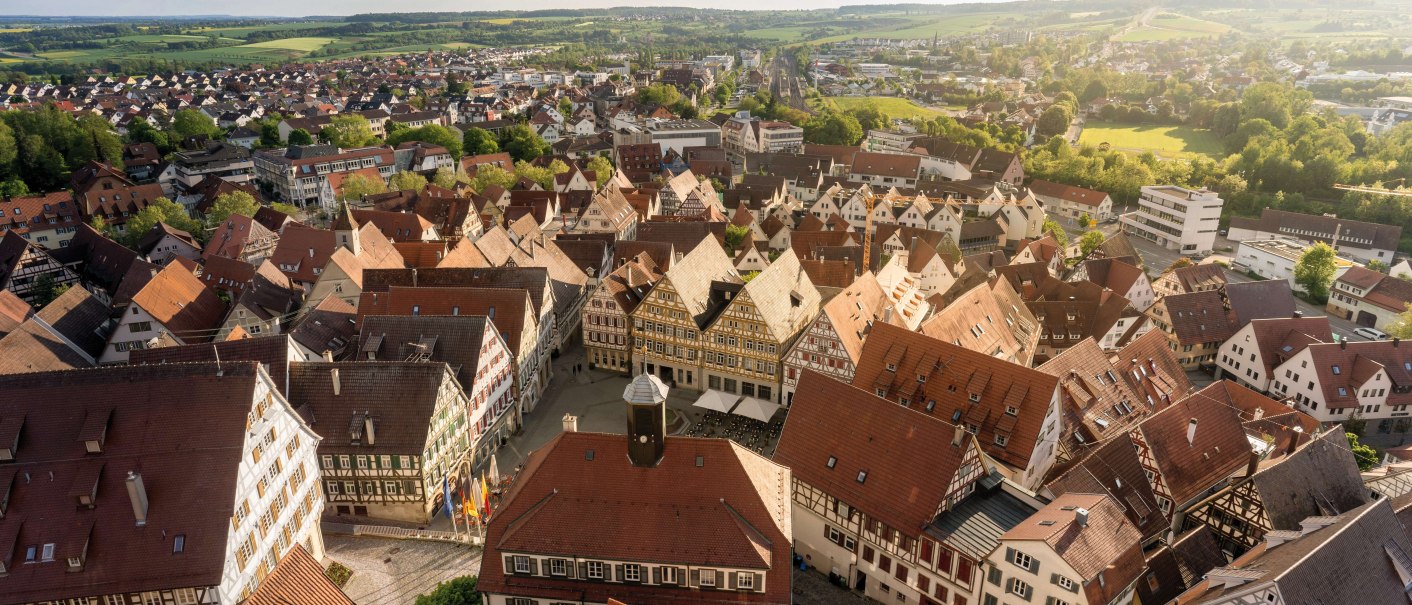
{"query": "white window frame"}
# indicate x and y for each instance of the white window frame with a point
(522, 564)
(1065, 583)
(745, 581)
(1023, 561)
(1020, 587)
(558, 567)
(632, 572)
(669, 575)
(595, 570)
(708, 577)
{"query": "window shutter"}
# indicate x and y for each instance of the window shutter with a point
(569, 569)
(1034, 567)
(994, 575)
(732, 580)
(656, 575)
(534, 567)
(1048, 600)
(759, 582)
(695, 578)
(683, 577)
(826, 533)
(1009, 555)
(618, 572)
(1054, 579)
(583, 569)
(509, 564)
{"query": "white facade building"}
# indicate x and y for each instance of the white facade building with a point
(1176, 218)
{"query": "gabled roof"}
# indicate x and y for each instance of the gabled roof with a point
(329, 326)
(1219, 446)
(1112, 467)
(884, 447)
(401, 424)
(298, 578)
(953, 374)
(178, 301)
(1068, 193)
(1105, 544)
(1198, 317)
(272, 352)
(182, 426)
(730, 510)
(453, 340)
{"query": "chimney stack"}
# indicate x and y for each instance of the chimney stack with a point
(571, 423)
(960, 434)
(328, 356)
(1081, 516)
(337, 386)
(368, 435)
(138, 494)
(1254, 464)
(1191, 432)
(1294, 440)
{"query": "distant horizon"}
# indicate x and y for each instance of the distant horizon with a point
(190, 9)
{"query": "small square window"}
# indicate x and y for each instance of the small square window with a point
(832, 462)
(862, 476)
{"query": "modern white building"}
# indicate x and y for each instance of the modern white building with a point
(1276, 258)
(1176, 218)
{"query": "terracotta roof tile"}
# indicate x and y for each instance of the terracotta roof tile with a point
(298, 578)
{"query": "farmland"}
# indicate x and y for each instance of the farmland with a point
(1163, 141)
(1170, 26)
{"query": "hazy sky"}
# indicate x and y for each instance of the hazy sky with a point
(349, 7)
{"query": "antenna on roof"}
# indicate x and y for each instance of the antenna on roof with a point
(219, 371)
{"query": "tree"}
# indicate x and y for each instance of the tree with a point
(357, 186)
(602, 169)
(833, 128)
(1366, 456)
(658, 94)
(235, 202)
(490, 174)
(523, 144)
(1054, 229)
(460, 591)
(479, 141)
(434, 134)
(346, 131)
(13, 187)
(191, 123)
(870, 117)
(289, 209)
(445, 178)
(1379, 266)
(407, 181)
(566, 107)
(1315, 270)
(299, 136)
(161, 210)
(142, 131)
(1402, 326)
(735, 236)
(539, 174)
(1090, 242)
(46, 290)
(1084, 220)
(1054, 121)
(1096, 89)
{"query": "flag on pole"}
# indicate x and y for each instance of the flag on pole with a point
(473, 506)
(446, 492)
(485, 494)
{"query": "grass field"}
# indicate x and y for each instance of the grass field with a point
(1170, 26)
(1164, 141)
(892, 106)
(299, 44)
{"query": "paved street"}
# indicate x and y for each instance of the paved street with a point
(394, 572)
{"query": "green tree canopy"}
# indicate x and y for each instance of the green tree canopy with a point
(523, 144)
(658, 94)
(735, 236)
(407, 181)
(602, 168)
(491, 174)
(191, 123)
(1057, 231)
(434, 134)
(478, 141)
(347, 131)
(460, 591)
(1090, 241)
(1366, 456)
(833, 128)
(299, 136)
(358, 186)
(1315, 271)
(235, 202)
(161, 210)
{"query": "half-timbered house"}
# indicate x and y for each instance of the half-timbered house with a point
(860, 505)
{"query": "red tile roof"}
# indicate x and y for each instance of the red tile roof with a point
(297, 579)
(890, 443)
(731, 510)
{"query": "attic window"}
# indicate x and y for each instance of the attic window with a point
(862, 476)
(975, 397)
(1336, 370)
(700, 461)
(588, 455)
(179, 544)
(832, 462)
(1070, 507)
(1046, 523)
(892, 367)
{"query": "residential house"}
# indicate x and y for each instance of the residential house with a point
(607, 322)
(1334, 382)
(164, 242)
(105, 192)
(1072, 202)
(1009, 408)
(1176, 218)
(1251, 355)
(860, 511)
(668, 323)
(26, 269)
(173, 304)
(832, 343)
(990, 318)
(1369, 298)
(1078, 549)
(47, 219)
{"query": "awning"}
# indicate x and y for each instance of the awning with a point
(716, 401)
(758, 409)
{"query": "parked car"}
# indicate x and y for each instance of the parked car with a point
(1371, 333)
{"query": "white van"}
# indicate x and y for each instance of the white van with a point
(1371, 334)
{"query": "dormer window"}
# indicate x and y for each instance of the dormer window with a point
(1336, 370)
(862, 476)
(832, 462)
(974, 397)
